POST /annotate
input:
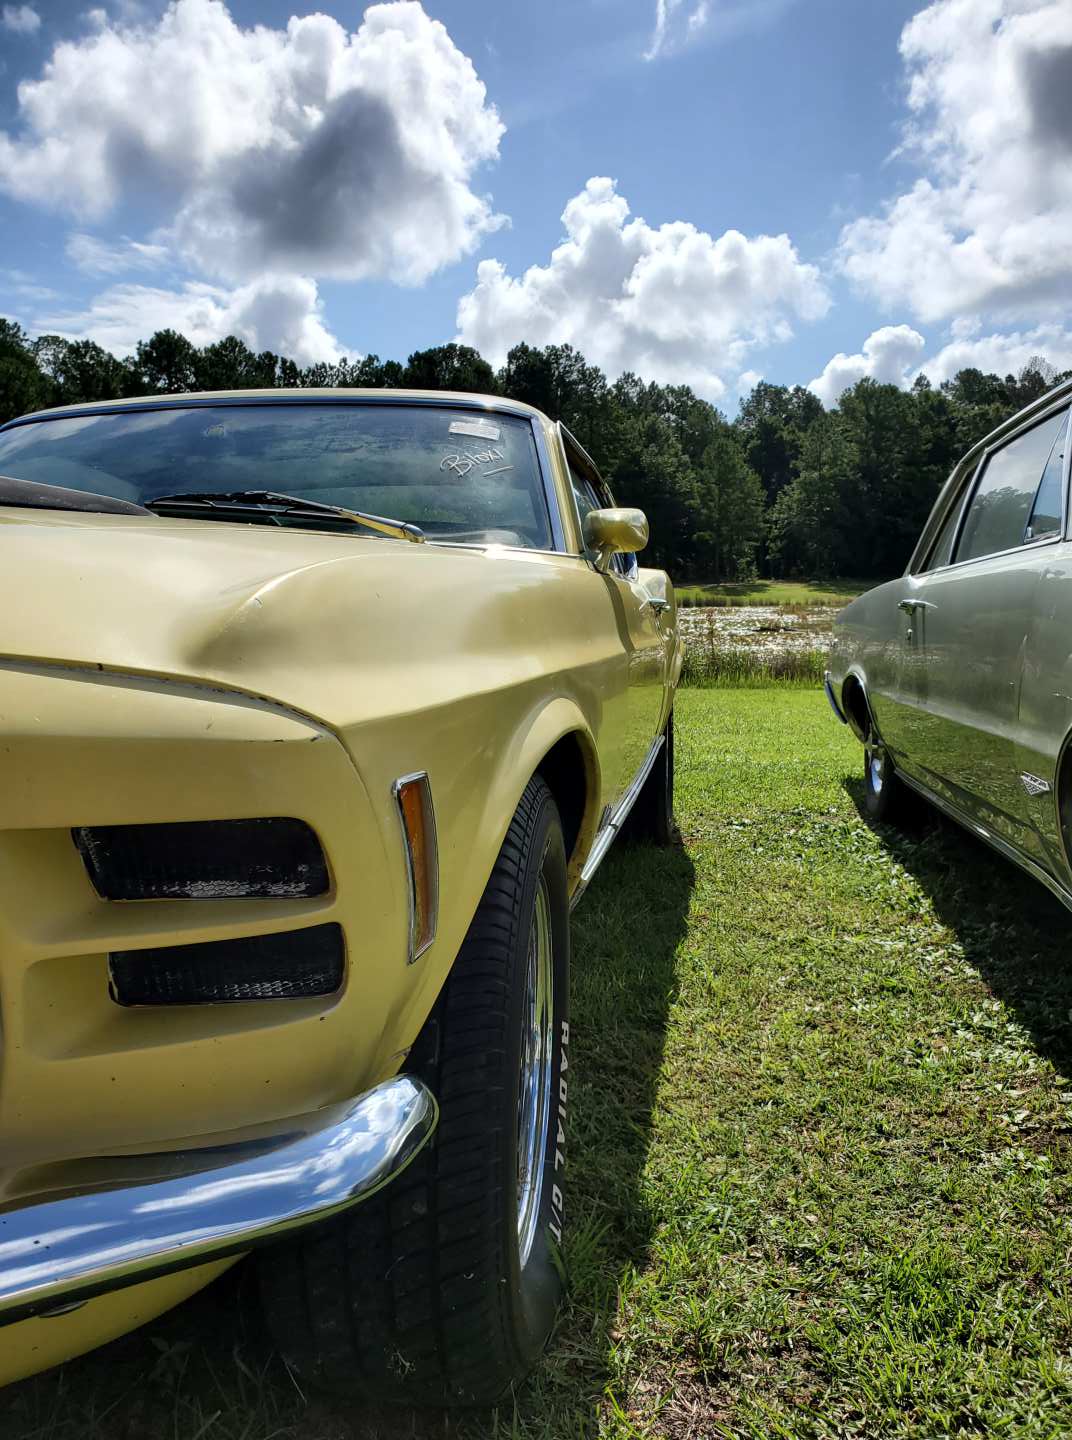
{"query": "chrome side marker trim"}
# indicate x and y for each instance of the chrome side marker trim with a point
(609, 831)
(111, 1221)
(1034, 784)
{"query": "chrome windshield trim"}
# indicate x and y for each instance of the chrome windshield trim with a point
(609, 831)
(112, 1221)
(446, 400)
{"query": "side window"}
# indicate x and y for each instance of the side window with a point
(999, 511)
(584, 492)
(942, 550)
(1046, 512)
(586, 500)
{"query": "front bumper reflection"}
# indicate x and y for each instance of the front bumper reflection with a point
(119, 1220)
(828, 686)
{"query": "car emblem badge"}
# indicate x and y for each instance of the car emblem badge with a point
(1034, 785)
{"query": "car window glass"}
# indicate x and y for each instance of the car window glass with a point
(1046, 511)
(589, 499)
(998, 512)
(586, 500)
(463, 476)
(942, 552)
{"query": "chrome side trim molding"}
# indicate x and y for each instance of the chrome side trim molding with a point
(828, 686)
(113, 1221)
(609, 831)
(1007, 851)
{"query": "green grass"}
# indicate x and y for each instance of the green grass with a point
(820, 1167)
(733, 667)
(792, 593)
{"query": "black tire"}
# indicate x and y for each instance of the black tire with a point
(420, 1294)
(887, 799)
(652, 816)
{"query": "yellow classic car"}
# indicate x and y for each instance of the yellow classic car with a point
(294, 801)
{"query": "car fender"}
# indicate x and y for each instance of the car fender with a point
(470, 841)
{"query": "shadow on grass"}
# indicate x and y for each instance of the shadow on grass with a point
(1012, 930)
(207, 1371)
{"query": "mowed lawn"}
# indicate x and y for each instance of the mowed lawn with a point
(820, 1160)
(774, 592)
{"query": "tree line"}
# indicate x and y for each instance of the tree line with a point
(786, 488)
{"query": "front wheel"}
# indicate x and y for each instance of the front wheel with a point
(443, 1288)
(887, 799)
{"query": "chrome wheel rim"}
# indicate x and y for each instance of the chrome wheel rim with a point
(876, 768)
(534, 1091)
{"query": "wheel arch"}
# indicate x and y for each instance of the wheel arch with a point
(855, 704)
(1062, 801)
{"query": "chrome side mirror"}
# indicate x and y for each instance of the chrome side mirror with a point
(614, 532)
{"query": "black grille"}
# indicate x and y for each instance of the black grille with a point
(204, 860)
(290, 966)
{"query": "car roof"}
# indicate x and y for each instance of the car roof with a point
(283, 396)
(1051, 400)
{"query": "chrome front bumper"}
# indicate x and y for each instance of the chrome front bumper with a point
(114, 1221)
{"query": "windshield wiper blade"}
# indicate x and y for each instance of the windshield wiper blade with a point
(273, 502)
(37, 496)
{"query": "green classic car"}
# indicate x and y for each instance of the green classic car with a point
(957, 677)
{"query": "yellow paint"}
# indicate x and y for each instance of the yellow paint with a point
(36, 1344)
(166, 670)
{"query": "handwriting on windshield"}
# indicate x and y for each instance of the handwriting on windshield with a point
(461, 462)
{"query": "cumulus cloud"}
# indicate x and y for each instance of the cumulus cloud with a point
(672, 303)
(20, 19)
(280, 313)
(984, 228)
(1002, 354)
(103, 257)
(888, 355)
(894, 356)
(311, 149)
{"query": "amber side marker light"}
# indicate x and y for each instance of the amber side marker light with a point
(414, 796)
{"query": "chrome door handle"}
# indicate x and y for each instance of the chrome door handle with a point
(657, 604)
(910, 605)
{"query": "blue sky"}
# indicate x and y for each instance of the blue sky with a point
(333, 188)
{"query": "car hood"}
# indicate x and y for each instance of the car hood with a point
(293, 616)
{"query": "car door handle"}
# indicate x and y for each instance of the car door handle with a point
(910, 605)
(657, 604)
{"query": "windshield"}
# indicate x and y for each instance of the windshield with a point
(461, 475)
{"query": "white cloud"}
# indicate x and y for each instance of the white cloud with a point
(25, 286)
(20, 19)
(675, 24)
(672, 303)
(307, 149)
(893, 356)
(113, 257)
(985, 226)
(280, 313)
(1002, 354)
(888, 356)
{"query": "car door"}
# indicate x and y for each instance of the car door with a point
(642, 642)
(967, 622)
